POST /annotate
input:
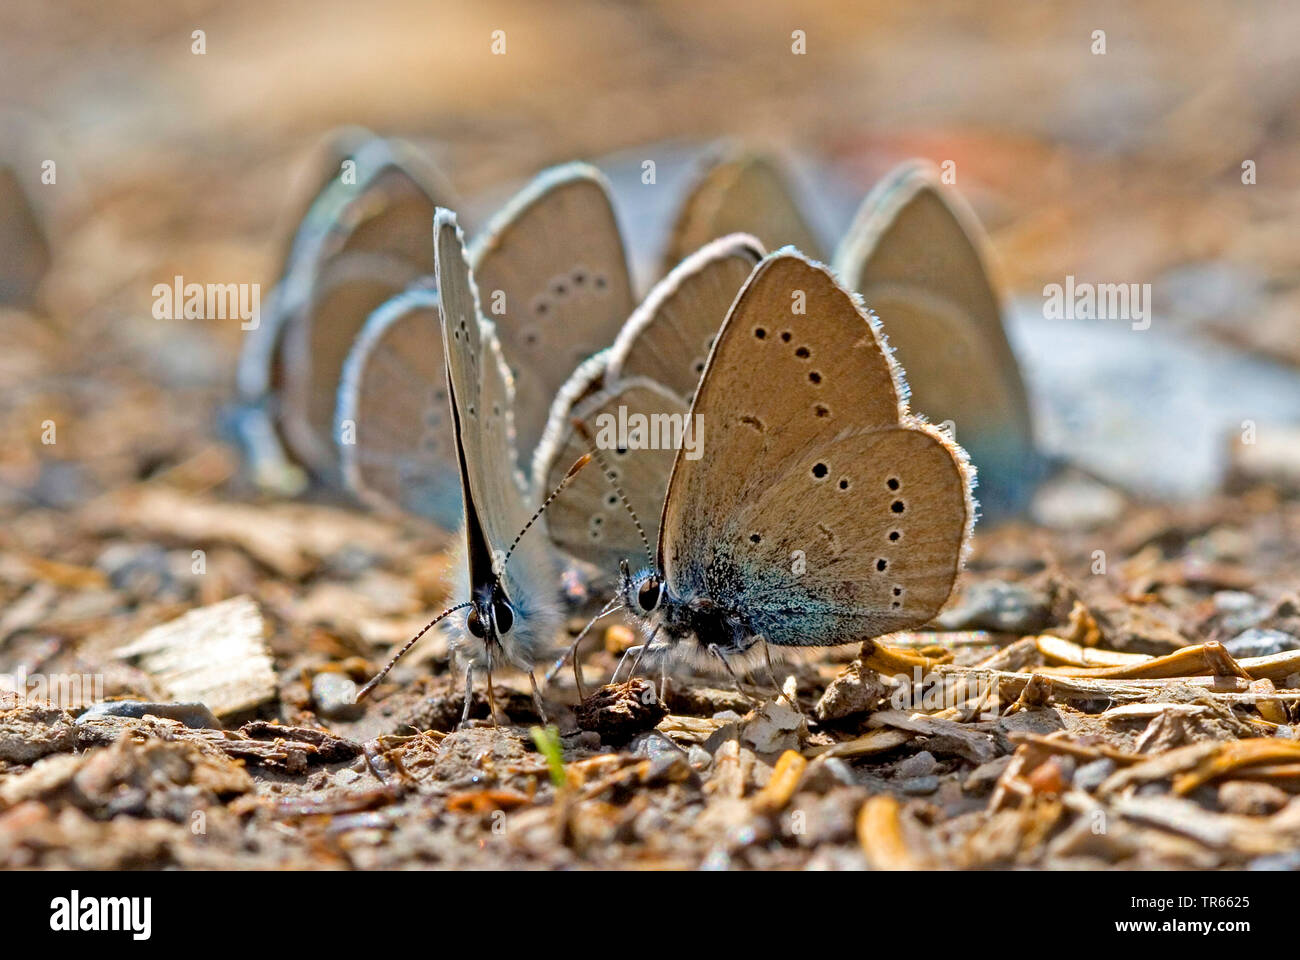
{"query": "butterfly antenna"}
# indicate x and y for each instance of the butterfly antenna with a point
(572, 651)
(365, 691)
(578, 464)
(612, 477)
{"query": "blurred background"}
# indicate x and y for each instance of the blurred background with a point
(1124, 166)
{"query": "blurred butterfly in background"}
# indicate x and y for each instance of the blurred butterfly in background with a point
(652, 370)
(917, 254)
(740, 191)
(364, 237)
(552, 266)
(822, 512)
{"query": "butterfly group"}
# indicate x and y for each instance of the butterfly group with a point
(513, 390)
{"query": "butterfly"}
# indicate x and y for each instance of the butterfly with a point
(555, 280)
(365, 237)
(918, 256)
(822, 511)
(511, 617)
(740, 191)
(651, 370)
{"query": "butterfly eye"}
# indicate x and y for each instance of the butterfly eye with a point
(475, 624)
(503, 615)
(648, 595)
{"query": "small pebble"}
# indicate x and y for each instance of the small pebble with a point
(1090, 776)
(196, 716)
(1001, 606)
(918, 765)
(1261, 643)
(699, 758)
(335, 696)
(919, 786)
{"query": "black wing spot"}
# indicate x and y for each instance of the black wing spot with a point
(802, 353)
(898, 591)
(892, 483)
(822, 410)
(601, 282)
(844, 483)
(814, 377)
(895, 536)
(755, 538)
(898, 506)
(882, 564)
(579, 277)
(541, 307)
(896, 605)
(785, 336)
(754, 422)
(760, 333)
(820, 470)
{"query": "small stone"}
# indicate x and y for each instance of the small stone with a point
(1261, 643)
(918, 765)
(827, 773)
(986, 775)
(856, 690)
(699, 758)
(196, 716)
(1238, 610)
(1091, 775)
(919, 786)
(999, 606)
(727, 716)
(335, 696)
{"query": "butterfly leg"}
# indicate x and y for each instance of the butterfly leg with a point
(469, 694)
(717, 652)
(771, 673)
(537, 698)
(627, 653)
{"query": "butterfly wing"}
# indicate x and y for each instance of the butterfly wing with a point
(588, 521)
(554, 276)
(364, 239)
(668, 338)
(788, 513)
(740, 193)
(393, 397)
(915, 253)
(495, 510)
(345, 291)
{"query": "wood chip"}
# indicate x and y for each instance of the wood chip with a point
(880, 833)
(785, 780)
(214, 655)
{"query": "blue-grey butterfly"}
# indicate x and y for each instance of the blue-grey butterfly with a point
(512, 617)
(918, 256)
(364, 238)
(740, 191)
(647, 377)
(821, 512)
(552, 267)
